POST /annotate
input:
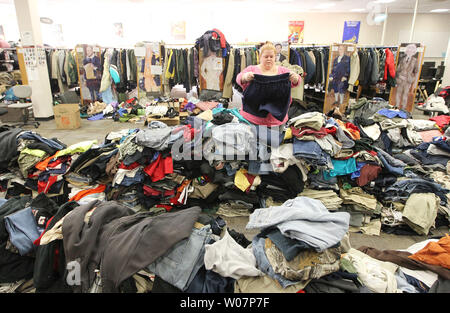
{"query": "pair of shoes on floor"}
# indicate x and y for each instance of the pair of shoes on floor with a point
(171, 113)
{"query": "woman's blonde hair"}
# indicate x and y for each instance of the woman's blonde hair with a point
(268, 46)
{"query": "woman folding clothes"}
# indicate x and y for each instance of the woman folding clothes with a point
(267, 89)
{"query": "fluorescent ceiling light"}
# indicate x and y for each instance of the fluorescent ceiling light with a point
(284, 0)
(439, 10)
(357, 10)
(325, 5)
(384, 1)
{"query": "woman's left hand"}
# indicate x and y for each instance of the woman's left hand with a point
(293, 77)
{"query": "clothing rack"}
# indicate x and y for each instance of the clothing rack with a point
(308, 45)
(243, 46)
(178, 44)
(375, 46)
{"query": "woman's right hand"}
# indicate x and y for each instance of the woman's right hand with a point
(247, 77)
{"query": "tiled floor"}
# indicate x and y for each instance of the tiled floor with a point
(99, 129)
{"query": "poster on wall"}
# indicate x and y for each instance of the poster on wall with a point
(58, 33)
(149, 65)
(88, 59)
(408, 67)
(296, 30)
(211, 71)
(351, 31)
(178, 30)
(282, 51)
(118, 30)
(336, 94)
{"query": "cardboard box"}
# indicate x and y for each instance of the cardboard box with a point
(67, 116)
(168, 121)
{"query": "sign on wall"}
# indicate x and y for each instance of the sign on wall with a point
(351, 31)
(296, 31)
(118, 30)
(178, 30)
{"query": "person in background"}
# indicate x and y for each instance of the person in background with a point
(266, 67)
(91, 64)
(280, 57)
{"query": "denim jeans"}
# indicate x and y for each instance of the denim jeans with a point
(311, 152)
(34, 136)
(23, 230)
(391, 164)
(180, 265)
(402, 190)
(304, 219)
(264, 265)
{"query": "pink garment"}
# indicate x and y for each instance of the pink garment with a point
(4, 44)
(269, 120)
(427, 135)
(206, 105)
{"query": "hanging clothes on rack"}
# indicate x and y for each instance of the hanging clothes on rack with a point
(354, 70)
(389, 68)
(181, 68)
(242, 57)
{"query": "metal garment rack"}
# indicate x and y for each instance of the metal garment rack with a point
(375, 46)
(308, 45)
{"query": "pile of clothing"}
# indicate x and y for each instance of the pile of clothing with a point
(161, 193)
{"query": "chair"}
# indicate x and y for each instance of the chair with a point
(19, 112)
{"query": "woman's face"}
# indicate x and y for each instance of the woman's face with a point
(268, 58)
(89, 51)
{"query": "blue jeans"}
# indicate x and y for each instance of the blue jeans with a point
(48, 142)
(23, 230)
(263, 263)
(181, 263)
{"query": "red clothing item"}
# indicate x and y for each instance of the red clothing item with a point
(132, 166)
(369, 173)
(149, 191)
(441, 120)
(45, 186)
(159, 168)
(37, 242)
(223, 41)
(165, 206)
(251, 179)
(42, 166)
(306, 131)
(389, 65)
(87, 192)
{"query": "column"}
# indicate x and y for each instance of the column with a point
(30, 32)
(446, 77)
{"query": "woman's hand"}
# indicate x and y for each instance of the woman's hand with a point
(247, 77)
(293, 77)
